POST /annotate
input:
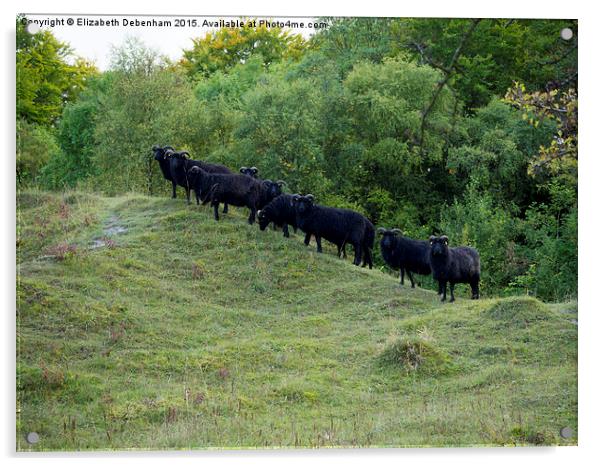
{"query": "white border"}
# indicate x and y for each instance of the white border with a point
(589, 241)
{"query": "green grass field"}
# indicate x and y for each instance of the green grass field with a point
(144, 324)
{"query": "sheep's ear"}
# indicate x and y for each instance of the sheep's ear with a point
(310, 197)
(381, 231)
(445, 238)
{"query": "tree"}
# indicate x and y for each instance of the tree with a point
(227, 47)
(559, 157)
(46, 80)
(499, 52)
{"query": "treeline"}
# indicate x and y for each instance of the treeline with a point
(461, 127)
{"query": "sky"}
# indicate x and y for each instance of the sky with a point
(94, 42)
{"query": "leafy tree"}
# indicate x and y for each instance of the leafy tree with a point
(76, 136)
(36, 145)
(146, 104)
(559, 157)
(499, 52)
(347, 41)
(494, 153)
(45, 78)
(280, 132)
(227, 47)
(386, 103)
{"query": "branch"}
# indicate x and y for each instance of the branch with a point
(448, 71)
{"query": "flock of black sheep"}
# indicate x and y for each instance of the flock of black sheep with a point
(215, 184)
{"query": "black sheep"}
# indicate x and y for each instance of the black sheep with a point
(164, 165)
(454, 265)
(339, 226)
(280, 211)
(180, 164)
(234, 189)
(406, 254)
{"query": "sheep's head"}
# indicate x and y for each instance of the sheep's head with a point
(439, 245)
(388, 237)
(161, 151)
(263, 219)
(250, 171)
(273, 188)
(303, 204)
(194, 173)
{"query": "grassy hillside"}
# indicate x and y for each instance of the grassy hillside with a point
(143, 323)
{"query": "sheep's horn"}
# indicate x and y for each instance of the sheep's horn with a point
(445, 238)
(381, 231)
(243, 169)
(281, 183)
(255, 169)
(310, 197)
(432, 238)
(296, 197)
(397, 231)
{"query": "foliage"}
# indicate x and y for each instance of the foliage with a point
(499, 52)
(559, 157)
(36, 145)
(46, 79)
(227, 47)
(76, 136)
(145, 104)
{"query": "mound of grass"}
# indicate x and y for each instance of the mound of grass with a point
(519, 311)
(183, 332)
(416, 354)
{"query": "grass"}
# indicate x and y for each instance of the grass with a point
(182, 333)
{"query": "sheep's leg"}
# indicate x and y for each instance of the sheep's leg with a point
(475, 289)
(319, 243)
(285, 230)
(411, 279)
(225, 211)
(367, 257)
(357, 247)
(252, 215)
(451, 292)
(307, 239)
(401, 275)
(173, 189)
(443, 290)
(187, 195)
(198, 196)
(295, 228)
(215, 209)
